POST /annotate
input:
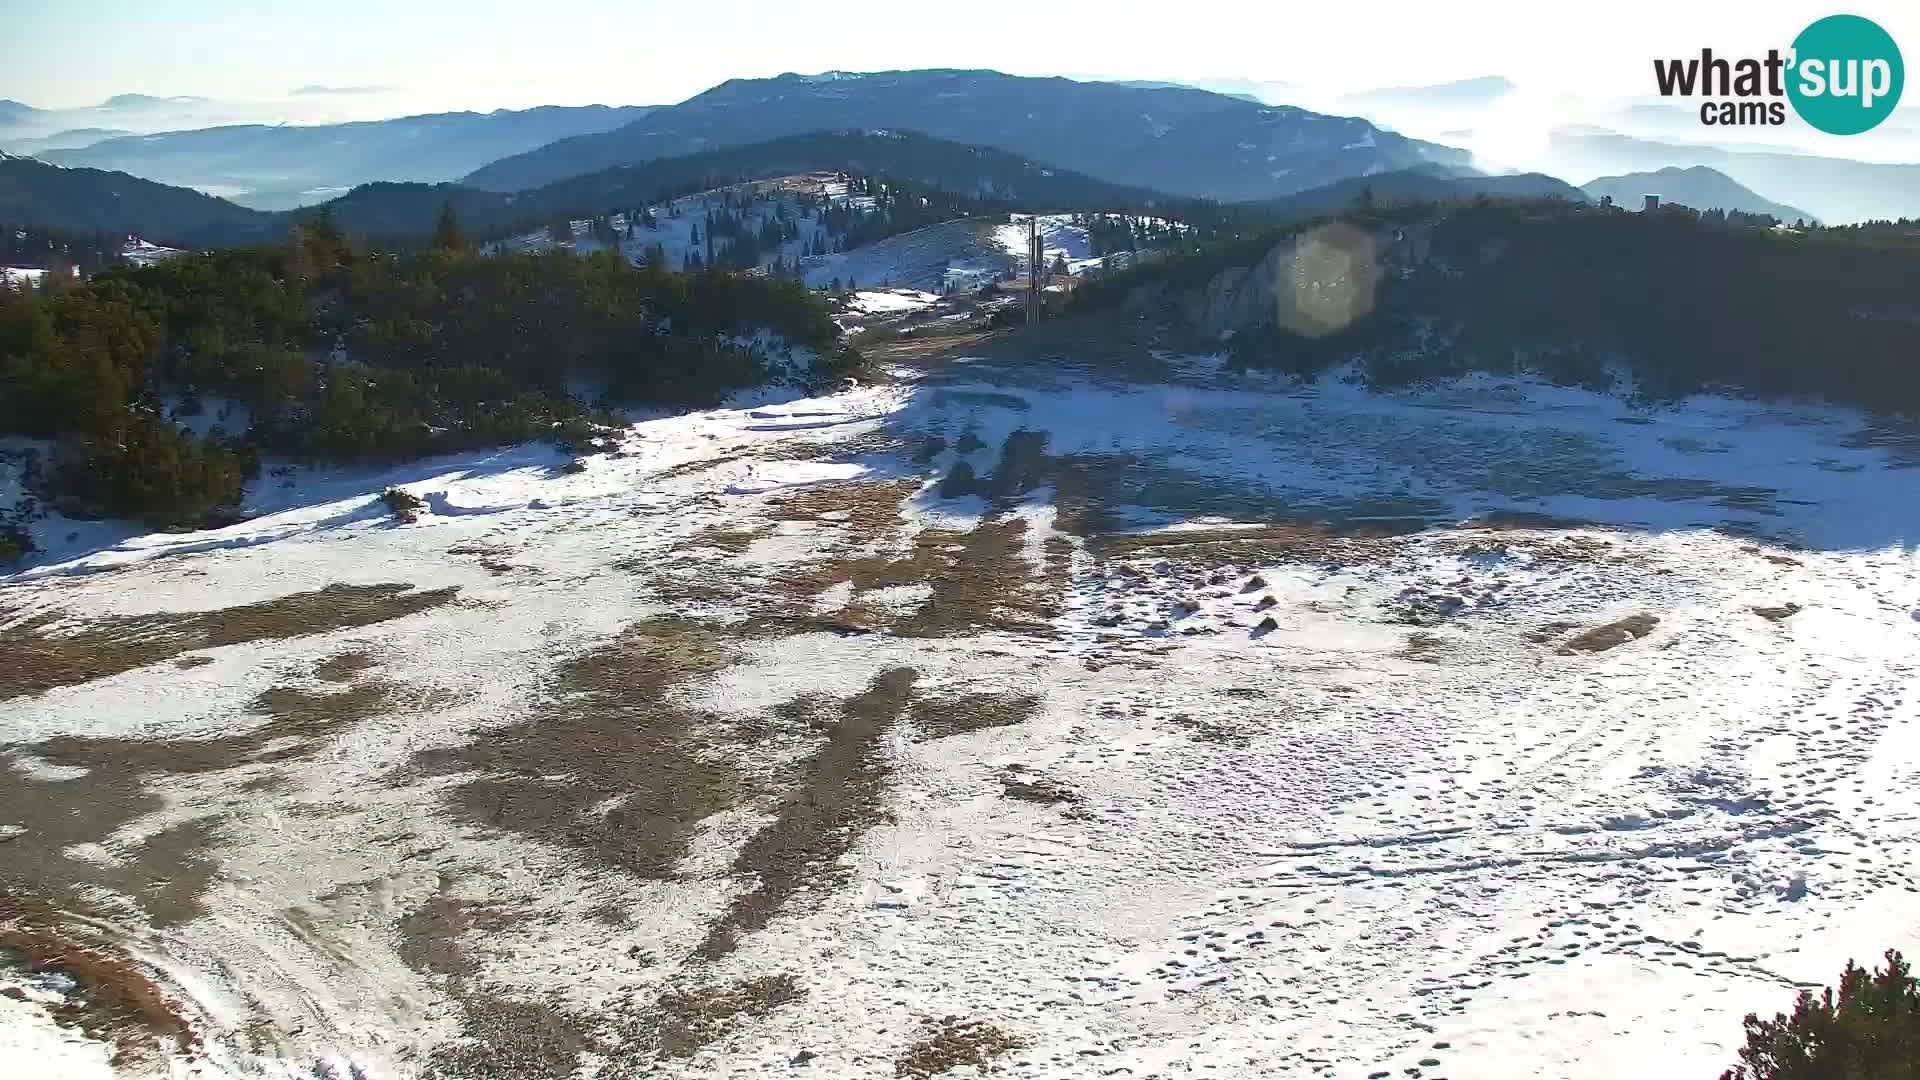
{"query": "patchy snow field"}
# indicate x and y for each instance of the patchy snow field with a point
(1011, 717)
(1060, 238)
(676, 221)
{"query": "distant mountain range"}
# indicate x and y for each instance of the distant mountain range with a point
(402, 209)
(1699, 187)
(1838, 191)
(1462, 94)
(34, 192)
(1426, 184)
(1183, 141)
(70, 139)
(23, 125)
(276, 167)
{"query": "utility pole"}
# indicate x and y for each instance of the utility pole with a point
(1033, 269)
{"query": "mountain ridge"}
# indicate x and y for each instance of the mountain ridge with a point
(279, 166)
(1697, 186)
(1180, 140)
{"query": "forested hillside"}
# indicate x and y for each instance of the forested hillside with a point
(1426, 185)
(935, 180)
(1685, 301)
(89, 200)
(959, 178)
(320, 351)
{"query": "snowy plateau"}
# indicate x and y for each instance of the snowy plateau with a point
(1023, 718)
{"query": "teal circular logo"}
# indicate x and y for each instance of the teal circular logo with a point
(1846, 74)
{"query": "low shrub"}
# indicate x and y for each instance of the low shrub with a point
(1868, 1030)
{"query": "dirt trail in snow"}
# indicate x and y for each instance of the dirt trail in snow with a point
(1002, 716)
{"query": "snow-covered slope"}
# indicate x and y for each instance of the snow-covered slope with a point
(1015, 715)
(678, 222)
(918, 259)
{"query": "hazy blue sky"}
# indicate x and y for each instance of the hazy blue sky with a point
(436, 54)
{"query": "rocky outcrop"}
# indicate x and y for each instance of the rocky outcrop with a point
(1313, 283)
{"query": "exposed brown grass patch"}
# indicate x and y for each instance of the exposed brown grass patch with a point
(688, 468)
(692, 1019)
(1019, 784)
(940, 718)
(1776, 614)
(1773, 557)
(979, 578)
(1547, 631)
(1592, 550)
(867, 510)
(188, 663)
(951, 1041)
(1425, 648)
(42, 658)
(988, 584)
(113, 1000)
(492, 557)
(169, 872)
(731, 540)
(608, 766)
(901, 350)
(343, 667)
(840, 793)
(1612, 635)
(1521, 521)
(500, 1035)
(512, 1037)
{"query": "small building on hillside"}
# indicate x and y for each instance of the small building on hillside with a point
(1653, 203)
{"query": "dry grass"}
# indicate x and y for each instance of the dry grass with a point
(1590, 550)
(733, 541)
(1212, 731)
(1036, 789)
(940, 718)
(168, 872)
(500, 1036)
(840, 794)
(692, 1019)
(951, 1041)
(344, 667)
(512, 1037)
(871, 508)
(921, 349)
(114, 1001)
(1522, 521)
(1776, 614)
(42, 659)
(1265, 544)
(608, 736)
(1547, 631)
(492, 557)
(988, 584)
(688, 468)
(1425, 648)
(980, 579)
(1612, 635)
